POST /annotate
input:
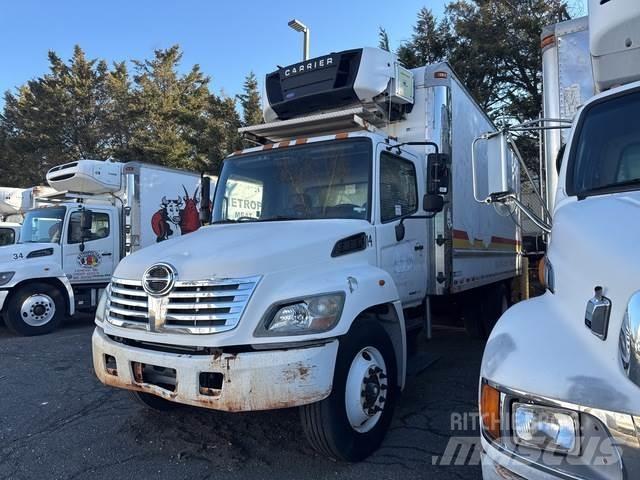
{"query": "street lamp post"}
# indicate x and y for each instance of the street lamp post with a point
(298, 26)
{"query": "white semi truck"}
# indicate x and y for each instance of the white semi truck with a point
(95, 213)
(357, 216)
(560, 376)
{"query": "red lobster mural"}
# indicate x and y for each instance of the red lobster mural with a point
(179, 215)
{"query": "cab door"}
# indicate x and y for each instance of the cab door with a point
(398, 178)
(96, 262)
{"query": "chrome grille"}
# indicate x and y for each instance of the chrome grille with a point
(198, 307)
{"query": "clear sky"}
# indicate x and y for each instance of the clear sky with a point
(227, 38)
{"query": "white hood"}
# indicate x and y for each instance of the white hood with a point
(595, 242)
(20, 251)
(244, 249)
(542, 346)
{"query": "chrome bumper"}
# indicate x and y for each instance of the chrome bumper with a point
(261, 380)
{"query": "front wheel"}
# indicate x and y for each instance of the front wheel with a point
(34, 309)
(351, 423)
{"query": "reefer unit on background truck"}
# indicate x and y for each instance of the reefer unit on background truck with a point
(560, 376)
(329, 239)
(96, 213)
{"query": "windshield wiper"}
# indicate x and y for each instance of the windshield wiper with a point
(236, 220)
(228, 220)
(614, 187)
(279, 218)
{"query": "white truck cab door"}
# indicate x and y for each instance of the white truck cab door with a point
(397, 196)
(96, 262)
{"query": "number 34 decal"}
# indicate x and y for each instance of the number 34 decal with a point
(18, 256)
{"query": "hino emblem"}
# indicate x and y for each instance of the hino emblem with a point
(158, 280)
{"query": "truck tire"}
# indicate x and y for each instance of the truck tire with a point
(482, 309)
(471, 314)
(351, 423)
(35, 309)
(153, 402)
(495, 304)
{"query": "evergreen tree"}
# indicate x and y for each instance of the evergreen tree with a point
(171, 107)
(56, 118)
(250, 101)
(383, 39)
(493, 45)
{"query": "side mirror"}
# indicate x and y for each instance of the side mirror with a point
(86, 221)
(494, 166)
(205, 202)
(438, 173)
(432, 203)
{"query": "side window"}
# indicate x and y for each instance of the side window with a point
(99, 227)
(398, 187)
(7, 236)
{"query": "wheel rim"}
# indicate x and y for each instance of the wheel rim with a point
(38, 310)
(366, 389)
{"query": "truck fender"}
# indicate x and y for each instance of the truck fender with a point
(47, 272)
(372, 292)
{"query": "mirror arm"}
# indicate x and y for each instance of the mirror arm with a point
(417, 217)
(509, 196)
(523, 166)
(427, 143)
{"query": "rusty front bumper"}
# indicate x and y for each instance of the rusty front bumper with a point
(249, 381)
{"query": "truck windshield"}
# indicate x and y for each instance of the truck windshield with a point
(606, 156)
(317, 180)
(43, 225)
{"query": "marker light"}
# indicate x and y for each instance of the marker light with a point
(490, 410)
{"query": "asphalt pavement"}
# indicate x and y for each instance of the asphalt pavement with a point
(58, 421)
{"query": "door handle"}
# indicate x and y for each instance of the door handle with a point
(418, 246)
(106, 254)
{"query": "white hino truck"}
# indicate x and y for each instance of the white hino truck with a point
(560, 376)
(357, 217)
(71, 241)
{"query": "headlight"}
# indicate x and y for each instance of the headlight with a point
(313, 314)
(101, 310)
(5, 277)
(545, 428)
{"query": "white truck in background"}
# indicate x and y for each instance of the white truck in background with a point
(94, 214)
(560, 377)
(356, 218)
(14, 202)
(9, 233)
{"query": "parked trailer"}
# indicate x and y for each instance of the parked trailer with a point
(560, 381)
(366, 215)
(70, 243)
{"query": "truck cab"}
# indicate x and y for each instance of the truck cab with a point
(328, 242)
(559, 389)
(70, 242)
